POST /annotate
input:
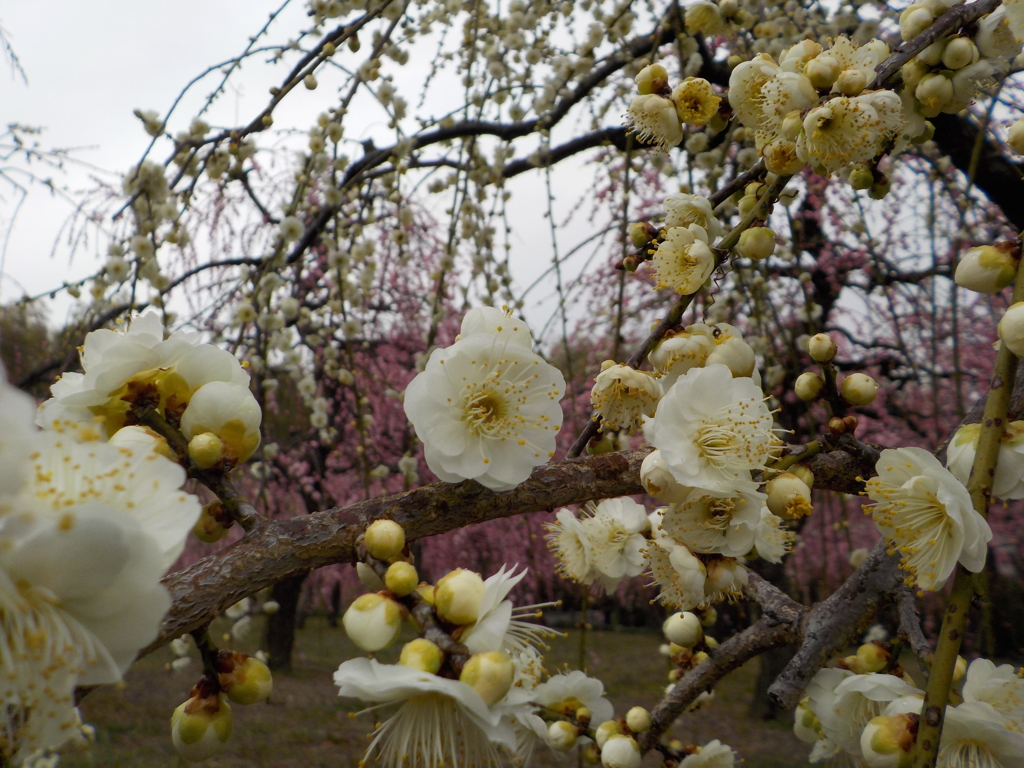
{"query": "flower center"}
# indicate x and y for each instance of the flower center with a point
(484, 412)
(716, 443)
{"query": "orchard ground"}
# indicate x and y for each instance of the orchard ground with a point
(306, 725)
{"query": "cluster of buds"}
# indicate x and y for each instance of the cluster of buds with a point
(201, 726)
(856, 389)
(658, 114)
(374, 620)
(688, 645)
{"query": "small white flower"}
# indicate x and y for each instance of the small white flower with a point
(486, 408)
(745, 84)
(624, 395)
(715, 523)
(677, 354)
(771, 539)
(439, 721)
(564, 693)
(678, 573)
(1008, 483)
(845, 132)
(682, 210)
(714, 754)
(712, 429)
(292, 228)
(615, 537)
(998, 686)
(683, 260)
(499, 626)
(654, 120)
(927, 513)
(569, 543)
(974, 734)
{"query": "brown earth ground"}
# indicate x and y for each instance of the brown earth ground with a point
(306, 725)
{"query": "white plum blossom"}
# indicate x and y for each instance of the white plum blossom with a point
(713, 429)
(848, 131)
(658, 480)
(570, 545)
(486, 408)
(682, 210)
(563, 694)
(678, 353)
(230, 412)
(927, 513)
(714, 754)
(683, 260)
(499, 625)
(998, 686)
(974, 734)
(624, 395)
(678, 573)
(771, 539)
(439, 721)
(715, 523)
(1008, 482)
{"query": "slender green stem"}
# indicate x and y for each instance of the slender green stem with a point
(954, 622)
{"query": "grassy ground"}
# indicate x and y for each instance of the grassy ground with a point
(306, 725)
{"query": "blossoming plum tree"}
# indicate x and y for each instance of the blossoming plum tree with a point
(300, 329)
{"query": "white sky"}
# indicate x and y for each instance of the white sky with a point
(90, 64)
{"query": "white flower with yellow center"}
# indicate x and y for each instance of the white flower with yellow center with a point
(678, 572)
(974, 735)
(998, 686)
(570, 545)
(715, 523)
(795, 58)
(771, 539)
(81, 595)
(845, 132)
(439, 722)
(137, 482)
(682, 210)
(726, 579)
(712, 429)
(677, 354)
(616, 538)
(745, 84)
(683, 260)
(624, 395)
(784, 93)
(696, 101)
(564, 694)
(654, 120)
(927, 513)
(486, 408)
(862, 59)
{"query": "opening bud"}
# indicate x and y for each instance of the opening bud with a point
(244, 679)
(959, 52)
(213, 523)
(401, 578)
(639, 719)
(561, 736)
(457, 596)
(934, 92)
(489, 674)
(821, 348)
(641, 233)
(873, 657)
(822, 71)
(858, 389)
(988, 268)
(652, 79)
(887, 740)
(788, 496)
(914, 21)
(372, 621)
(683, 629)
(384, 539)
(808, 385)
(423, 655)
(201, 726)
(620, 752)
(851, 82)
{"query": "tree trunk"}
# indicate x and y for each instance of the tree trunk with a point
(280, 635)
(774, 660)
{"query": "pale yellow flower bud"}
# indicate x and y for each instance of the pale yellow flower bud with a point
(822, 71)
(213, 523)
(808, 386)
(605, 731)
(684, 629)
(709, 617)
(934, 92)
(620, 752)
(372, 621)
(639, 719)
(858, 389)
(201, 727)
(205, 450)
(705, 18)
(792, 124)
(244, 679)
(821, 348)
(423, 655)
(489, 674)
(873, 658)
(457, 596)
(887, 740)
(851, 82)
(651, 79)
(1016, 137)
(959, 52)
(401, 578)
(384, 539)
(756, 243)
(914, 22)
(788, 496)
(912, 73)
(862, 178)
(1011, 328)
(987, 268)
(561, 736)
